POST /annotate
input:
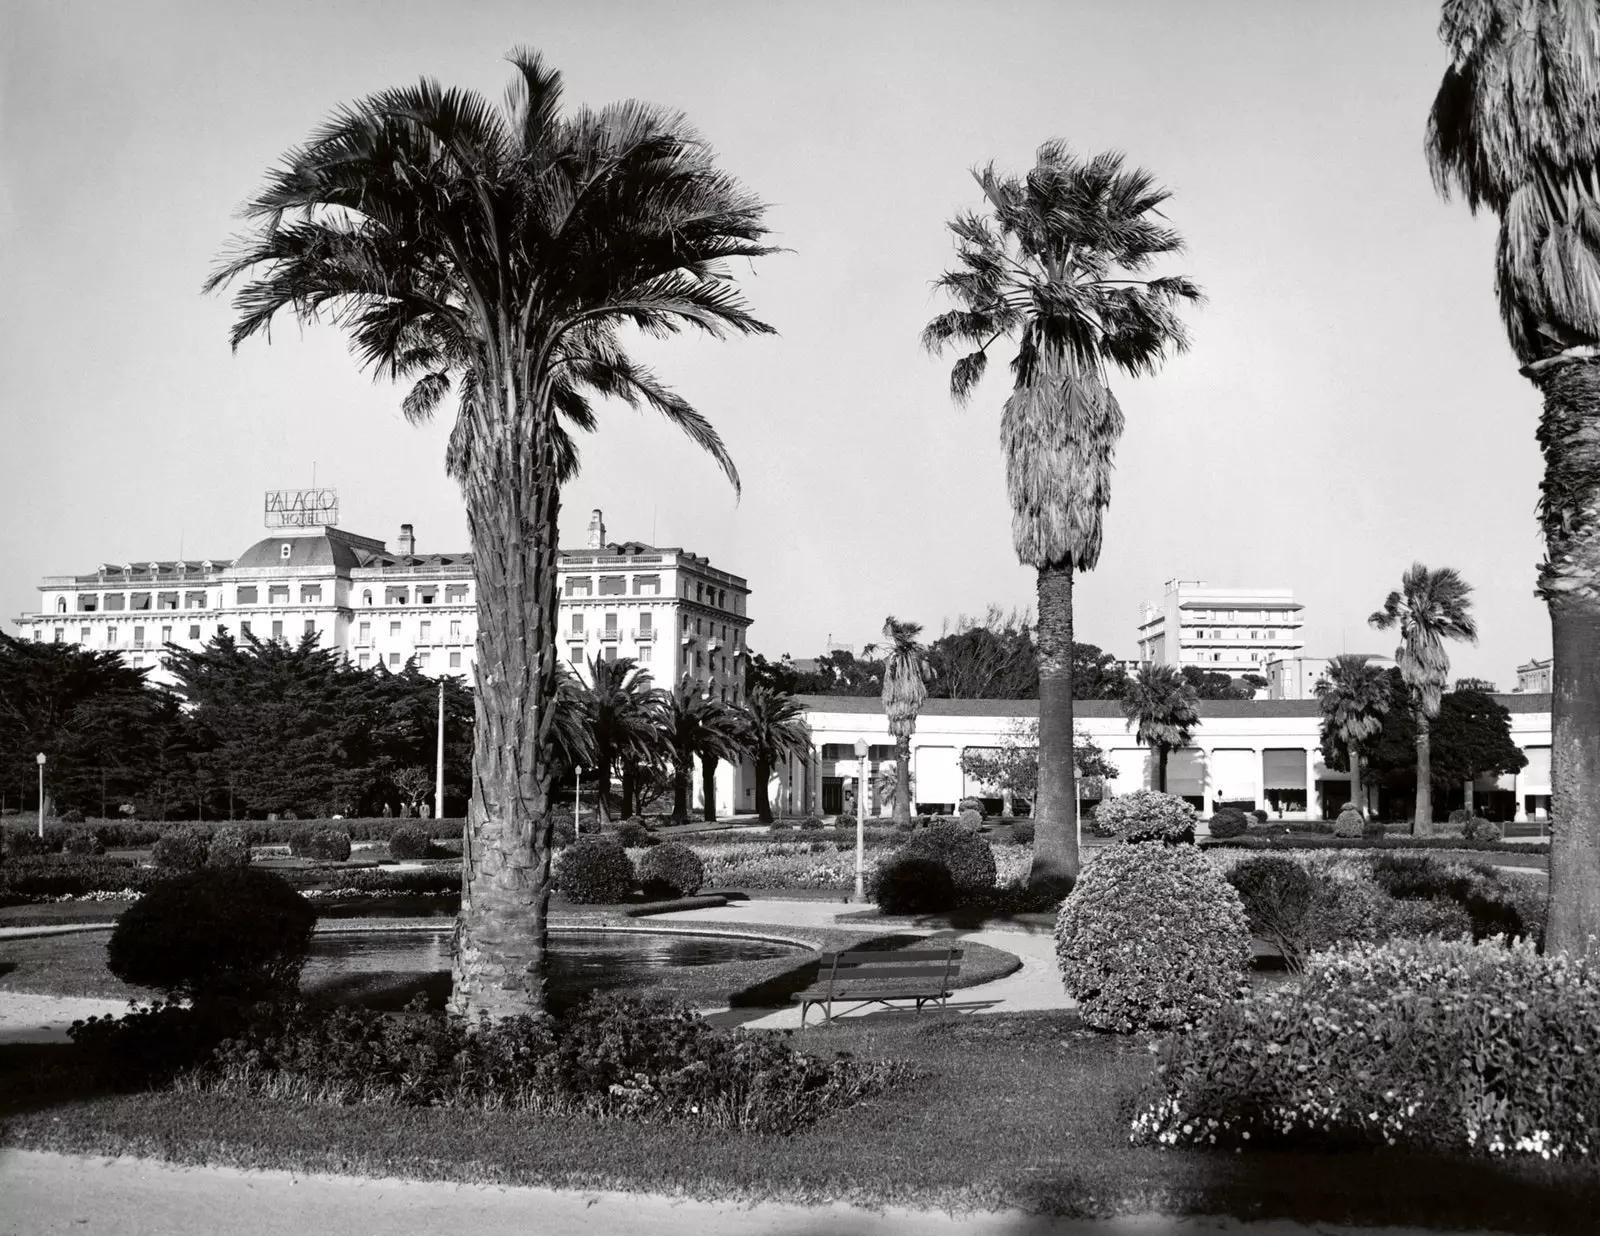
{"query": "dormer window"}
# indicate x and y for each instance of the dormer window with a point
(285, 550)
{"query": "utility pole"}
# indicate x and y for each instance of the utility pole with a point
(40, 759)
(438, 772)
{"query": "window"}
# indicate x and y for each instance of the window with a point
(1272, 635)
(363, 659)
(427, 595)
(1254, 634)
(83, 635)
(167, 600)
(697, 626)
(88, 603)
(722, 598)
(579, 585)
(285, 551)
(686, 622)
(38, 635)
(311, 626)
(395, 596)
(394, 630)
(422, 660)
(277, 629)
(838, 751)
(613, 585)
(140, 600)
(455, 630)
(645, 621)
(194, 600)
(575, 654)
(647, 585)
(61, 634)
(244, 628)
(310, 594)
(111, 635)
(699, 660)
(611, 652)
(364, 633)
(611, 624)
(577, 624)
(222, 628)
(194, 630)
(246, 596)
(700, 592)
(278, 594)
(61, 605)
(455, 594)
(394, 660)
(366, 597)
(455, 660)
(643, 655)
(425, 631)
(116, 600)
(166, 635)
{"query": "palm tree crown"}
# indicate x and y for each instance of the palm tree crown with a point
(774, 728)
(1429, 607)
(1164, 706)
(1353, 698)
(1057, 264)
(698, 725)
(623, 717)
(906, 670)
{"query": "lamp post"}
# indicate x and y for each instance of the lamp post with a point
(861, 813)
(577, 797)
(40, 759)
(438, 769)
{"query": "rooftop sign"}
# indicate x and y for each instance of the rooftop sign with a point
(302, 508)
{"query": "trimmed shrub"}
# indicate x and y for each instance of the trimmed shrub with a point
(24, 843)
(328, 845)
(60, 875)
(71, 816)
(230, 847)
(183, 849)
(1022, 832)
(1277, 895)
(410, 842)
(1229, 822)
(1143, 811)
(673, 870)
(1151, 937)
(83, 841)
(1480, 829)
(223, 933)
(1351, 823)
(972, 804)
(964, 854)
(1421, 1045)
(631, 834)
(811, 823)
(1460, 816)
(970, 820)
(909, 884)
(1261, 816)
(1373, 830)
(595, 870)
(1488, 902)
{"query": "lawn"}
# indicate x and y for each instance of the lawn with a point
(1026, 1111)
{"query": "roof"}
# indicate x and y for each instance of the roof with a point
(326, 548)
(866, 704)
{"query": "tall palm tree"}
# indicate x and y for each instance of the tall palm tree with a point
(1162, 703)
(1059, 260)
(906, 671)
(774, 728)
(623, 719)
(1353, 698)
(698, 726)
(571, 734)
(1515, 129)
(500, 252)
(1429, 607)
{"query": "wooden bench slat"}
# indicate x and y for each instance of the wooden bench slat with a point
(859, 974)
(877, 977)
(920, 954)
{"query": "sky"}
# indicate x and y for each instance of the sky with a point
(1349, 404)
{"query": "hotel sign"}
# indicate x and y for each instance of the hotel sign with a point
(302, 508)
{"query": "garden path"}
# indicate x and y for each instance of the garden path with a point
(29, 1018)
(47, 1193)
(1037, 985)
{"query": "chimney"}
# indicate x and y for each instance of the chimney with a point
(408, 541)
(597, 530)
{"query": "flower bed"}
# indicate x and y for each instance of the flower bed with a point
(805, 864)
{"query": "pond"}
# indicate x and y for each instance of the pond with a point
(582, 961)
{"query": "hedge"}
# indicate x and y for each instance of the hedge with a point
(1254, 842)
(142, 834)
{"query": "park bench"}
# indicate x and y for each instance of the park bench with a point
(922, 974)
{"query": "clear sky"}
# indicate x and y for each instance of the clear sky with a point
(1349, 404)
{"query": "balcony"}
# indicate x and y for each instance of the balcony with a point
(610, 635)
(644, 635)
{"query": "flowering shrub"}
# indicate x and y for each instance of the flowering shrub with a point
(962, 852)
(970, 819)
(671, 870)
(595, 870)
(1277, 894)
(1164, 816)
(230, 847)
(909, 884)
(1151, 937)
(1427, 1045)
(614, 1056)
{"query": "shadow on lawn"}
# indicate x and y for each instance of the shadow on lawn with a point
(778, 991)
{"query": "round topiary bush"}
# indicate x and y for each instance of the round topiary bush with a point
(811, 823)
(632, 835)
(1229, 822)
(970, 820)
(1277, 894)
(71, 816)
(1261, 816)
(216, 934)
(328, 845)
(1143, 811)
(964, 854)
(182, 849)
(1350, 823)
(971, 804)
(1374, 829)
(410, 841)
(1151, 937)
(910, 884)
(672, 870)
(1460, 817)
(595, 870)
(83, 841)
(230, 847)
(1480, 829)
(1022, 832)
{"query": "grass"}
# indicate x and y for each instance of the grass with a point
(1027, 1111)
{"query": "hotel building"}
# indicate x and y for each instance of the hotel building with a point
(1228, 630)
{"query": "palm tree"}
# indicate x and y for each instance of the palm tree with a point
(1162, 703)
(1515, 129)
(1429, 608)
(501, 252)
(698, 726)
(623, 721)
(1353, 698)
(774, 728)
(906, 671)
(571, 734)
(1060, 261)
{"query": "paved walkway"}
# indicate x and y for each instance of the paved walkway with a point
(42, 1194)
(29, 1018)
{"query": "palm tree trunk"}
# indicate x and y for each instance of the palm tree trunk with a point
(680, 791)
(1422, 825)
(1055, 838)
(763, 799)
(902, 780)
(1567, 581)
(1358, 793)
(602, 786)
(512, 501)
(1161, 769)
(1466, 797)
(629, 781)
(708, 787)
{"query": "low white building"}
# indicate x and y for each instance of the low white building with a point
(1251, 753)
(1296, 678)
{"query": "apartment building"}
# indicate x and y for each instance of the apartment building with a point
(1536, 676)
(1227, 630)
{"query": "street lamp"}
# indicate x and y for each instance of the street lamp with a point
(40, 759)
(577, 796)
(861, 813)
